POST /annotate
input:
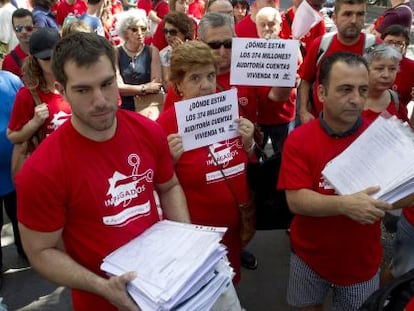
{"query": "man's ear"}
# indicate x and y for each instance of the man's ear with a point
(321, 92)
(334, 18)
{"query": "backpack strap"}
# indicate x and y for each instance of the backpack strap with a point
(369, 40)
(324, 45)
(16, 58)
(395, 99)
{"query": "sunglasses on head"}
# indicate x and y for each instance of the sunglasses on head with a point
(20, 28)
(135, 29)
(215, 45)
(172, 32)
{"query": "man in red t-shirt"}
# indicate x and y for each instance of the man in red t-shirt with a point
(349, 19)
(96, 190)
(23, 25)
(335, 239)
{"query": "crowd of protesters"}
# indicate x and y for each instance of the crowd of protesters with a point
(75, 78)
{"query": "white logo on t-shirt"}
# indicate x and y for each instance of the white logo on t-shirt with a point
(124, 188)
(58, 119)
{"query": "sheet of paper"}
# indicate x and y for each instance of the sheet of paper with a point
(209, 119)
(174, 262)
(305, 18)
(262, 62)
(382, 155)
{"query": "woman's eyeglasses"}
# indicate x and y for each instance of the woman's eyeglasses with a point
(135, 29)
(20, 28)
(215, 45)
(172, 32)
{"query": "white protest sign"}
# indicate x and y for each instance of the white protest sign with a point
(263, 62)
(206, 120)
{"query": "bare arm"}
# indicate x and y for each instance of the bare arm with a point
(173, 201)
(405, 202)
(304, 91)
(41, 113)
(360, 207)
(279, 94)
(55, 265)
(145, 88)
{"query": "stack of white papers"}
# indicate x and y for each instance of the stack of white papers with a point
(179, 266)
(383, 155)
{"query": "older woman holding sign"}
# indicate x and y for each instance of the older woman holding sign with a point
(213, 177)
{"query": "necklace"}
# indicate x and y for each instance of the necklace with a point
(132, 51)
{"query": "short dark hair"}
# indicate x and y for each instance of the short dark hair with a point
(20, 13)
(184, 23)
(328, 62)
(82, 48)
(339, 3)
(397, 30)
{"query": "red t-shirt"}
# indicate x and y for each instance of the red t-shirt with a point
(272, 112)
(247, 97)
(23, 110)
(196, 9)
(9, 64)
(101, 193)
(410, 305)
(307, 71)
(402, 112)
(63, 9)
(161, 8)
(145, 5)
(246, 28)
(286, 32)
(405, 80)
(209, 199)
(337, 248)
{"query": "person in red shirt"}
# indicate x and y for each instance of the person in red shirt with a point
(240, 9)
(95, 191)
(383, 63)
(335, 239)
(349, 19)
(246, 28)
(66, 7)
(23, 25)
(275, 118)
(193, 74)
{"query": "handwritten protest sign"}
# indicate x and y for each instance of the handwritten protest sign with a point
(207, 119)
(264, 62)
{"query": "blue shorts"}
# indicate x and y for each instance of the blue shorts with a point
(403, 248)
(306, 288)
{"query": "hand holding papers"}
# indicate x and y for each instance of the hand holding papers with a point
(179, 266)
(383, 155)
(207, 119)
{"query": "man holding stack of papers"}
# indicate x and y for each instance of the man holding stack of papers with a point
(335, 239)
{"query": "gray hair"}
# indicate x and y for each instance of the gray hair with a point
(214, 20)
(269, 11)
(383, 51)
(129, 18)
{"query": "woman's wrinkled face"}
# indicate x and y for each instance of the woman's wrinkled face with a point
(382, 73)
(198, 81)
(136, 32)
